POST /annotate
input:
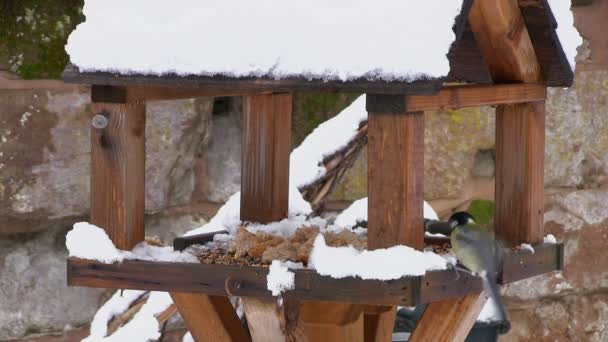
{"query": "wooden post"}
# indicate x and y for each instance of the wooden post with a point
(328, 321)
(449, 320)
(395, 170)
(210, 318)
(395, 189)
(117, 169)
(265, 188)
(265, 159)
(520, 150)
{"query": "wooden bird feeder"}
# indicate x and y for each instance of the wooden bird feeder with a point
(506, 54)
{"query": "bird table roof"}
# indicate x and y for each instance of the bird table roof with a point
(383, 46)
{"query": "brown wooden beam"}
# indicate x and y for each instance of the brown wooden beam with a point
(449, 320)
(520, 148)
(117, 170)
(266, 146)
(103, 93)
(210, 318)
(330, 321)
(500, 31)
(475, 96)
(395, 174)
(377, 321)
(244, 281)
(395, 186)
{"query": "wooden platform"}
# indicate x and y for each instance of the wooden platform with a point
(236, 280)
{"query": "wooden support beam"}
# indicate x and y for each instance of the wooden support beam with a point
(265, 189)
(377, 323)
(520, 148)
(475, 96)
(395, 173)
(250, 281)
(270, 322)
(135, 93)
(117, 170)
(395, 187)
(330, 321)
(500, 31)
(210, 318)
(449, 320)
(265, 160)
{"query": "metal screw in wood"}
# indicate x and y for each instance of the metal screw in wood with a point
(99, 121)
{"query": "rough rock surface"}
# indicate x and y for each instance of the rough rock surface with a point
(34, 295)
(45, 154)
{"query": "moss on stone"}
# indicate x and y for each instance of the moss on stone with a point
(312, 109)
(34, 33)
(482, 211)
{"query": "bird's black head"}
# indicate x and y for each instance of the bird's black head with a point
(461, 218)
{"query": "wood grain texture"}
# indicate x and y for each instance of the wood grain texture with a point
(474, 96)
(502, 36)
(330, 321)
(378, 322)
(222, 280)
(395, 191)
(249, 85)
(542, 26)
(111, 94)
(263, 319)
(210, 318)
(395, 179)
(520, 148)
(117, 172)
(265, 159)
(449, 320)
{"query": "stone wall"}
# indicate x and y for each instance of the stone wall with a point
(193, 150)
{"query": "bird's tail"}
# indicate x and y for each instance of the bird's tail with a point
(490, 285)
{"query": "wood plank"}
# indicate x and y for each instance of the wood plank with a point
(377, 323)
(466, 62)
(221, 280)
(395, 179)
(331, 321)
(262, 319)
(500, 31)
(265, 159)
(269, 321)
(249, 85)
(210, 318)
(117, 171)
(474, 96)
(542, 27)
(449, 320)
(520, 148)
(395, 186)
(518, 266)
(104, 93)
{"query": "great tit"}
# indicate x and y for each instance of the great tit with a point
(476, 248)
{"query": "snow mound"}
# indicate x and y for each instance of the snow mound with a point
(382, 264)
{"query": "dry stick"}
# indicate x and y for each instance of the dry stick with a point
(336, 165)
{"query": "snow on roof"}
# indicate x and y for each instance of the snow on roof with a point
(568, 35)
(326, 39)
